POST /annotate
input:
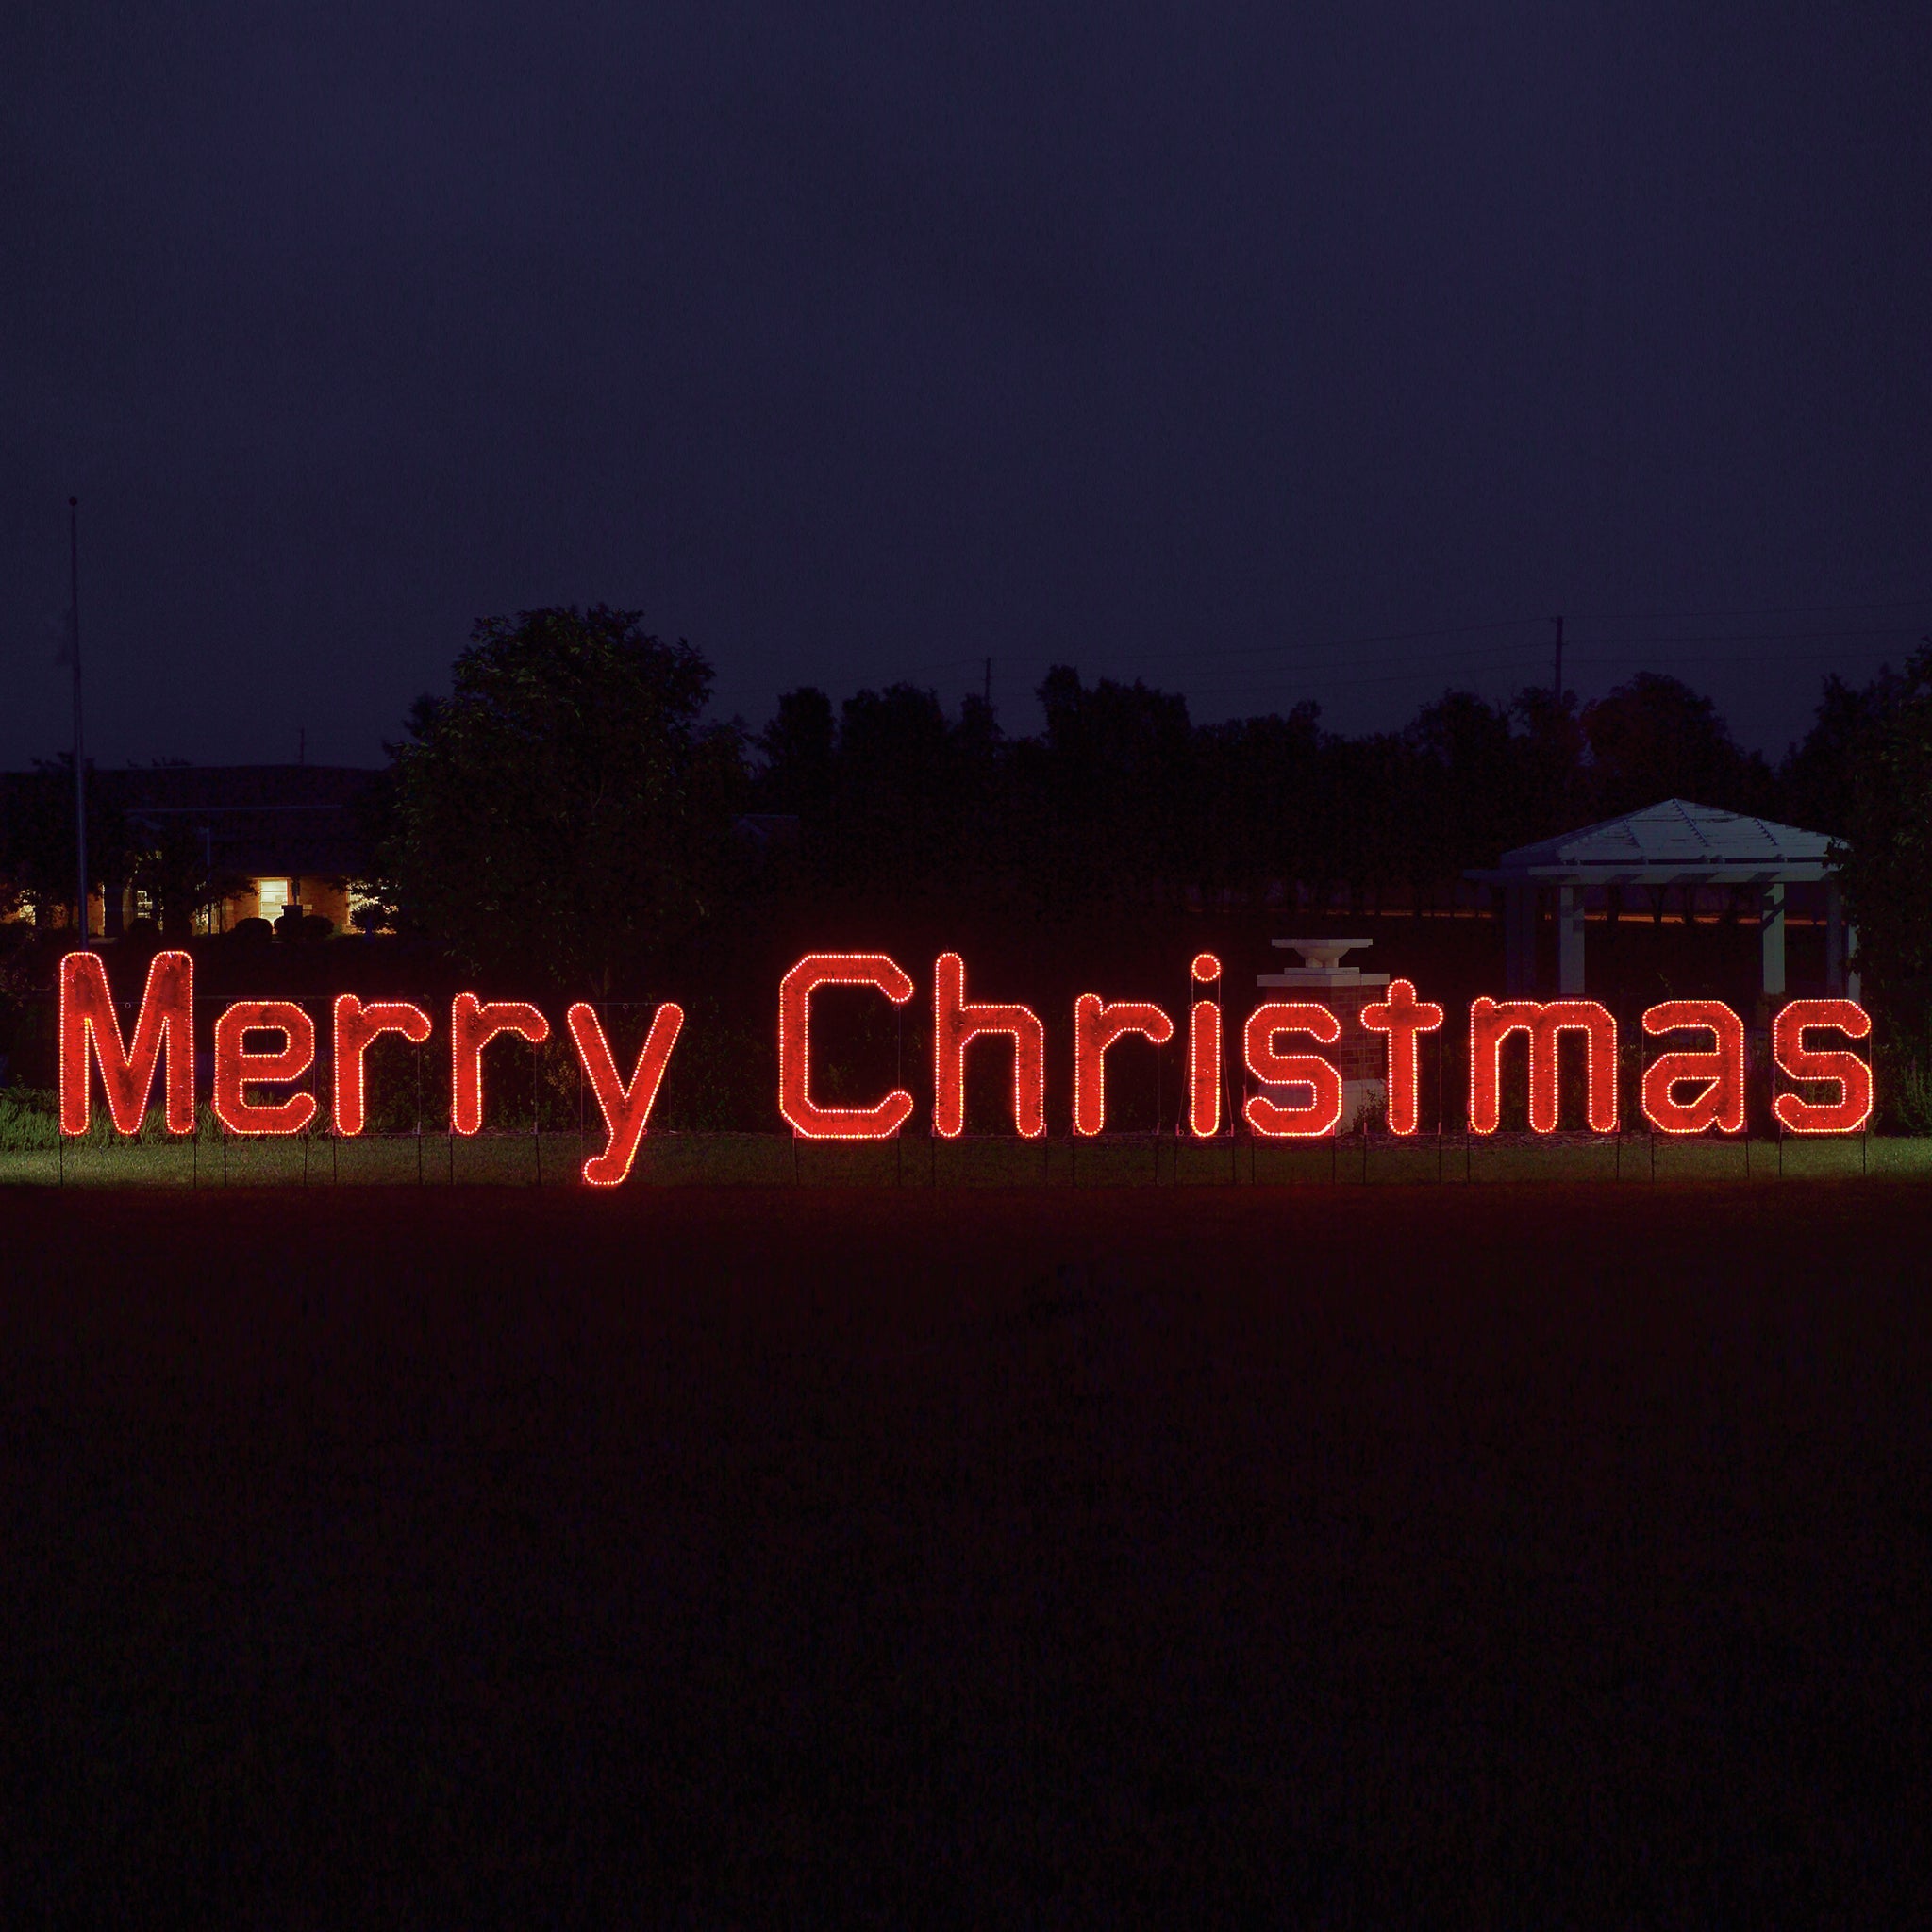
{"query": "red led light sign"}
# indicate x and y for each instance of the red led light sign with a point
(357, 1029)
(879, 1122)
(163, 1031)
(1203, 1049)
(264, 1049)
(1404, 1019)
(1492, 1021)
(955, 1025)
(472, 1024)
(237, 1067)
(1096, 1025)
(1850, 1074)
(1322, 1110)
(625, 1109)
(1718, 1073)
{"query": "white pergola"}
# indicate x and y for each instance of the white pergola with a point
(1675, 843)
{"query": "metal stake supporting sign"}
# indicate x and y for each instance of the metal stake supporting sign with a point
(1438, 1106)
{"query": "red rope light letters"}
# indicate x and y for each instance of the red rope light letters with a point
(955, 1025)
(356, 1026)
(1204, 1052)
(1404, 1019)
(163, 1031)
(1853, 1107)
(237, 1068)
(1719, 1101)
(472, 1024)
(1096, 1027)
(802, 1113)
(1270, 1117)
(1492, 1021)
(1684, 1090)
(626, 1110)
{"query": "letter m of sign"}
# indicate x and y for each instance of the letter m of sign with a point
(1492, 1021)
(163, 1032)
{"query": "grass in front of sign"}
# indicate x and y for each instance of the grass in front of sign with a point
(214, 1160)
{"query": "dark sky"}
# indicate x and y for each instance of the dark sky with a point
(856, 343)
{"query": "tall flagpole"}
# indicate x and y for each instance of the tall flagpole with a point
(79, 768)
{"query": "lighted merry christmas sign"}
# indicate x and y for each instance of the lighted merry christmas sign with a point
(1692, 1087)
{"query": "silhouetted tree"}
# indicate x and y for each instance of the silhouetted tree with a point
(1116, 772)
(562, 811)
(1654, 738)
(1820, 773)
(37, 837)
(895, 798)
(169, 864)
(1551, 794)
(1461, 795)
(1887, 865)
(1258, 785)
(798, 748)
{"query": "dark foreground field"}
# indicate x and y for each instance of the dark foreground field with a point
(1520, 1556)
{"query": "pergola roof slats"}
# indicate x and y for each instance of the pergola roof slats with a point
(1674, 843)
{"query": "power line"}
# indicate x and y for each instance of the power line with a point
(1532, 645)
(1397, 667)
(1155, 662)
(1472, 670)
(1747, 637)
(1765, 611)
(1389, 637)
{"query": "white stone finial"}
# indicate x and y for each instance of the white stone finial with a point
(1323, 956)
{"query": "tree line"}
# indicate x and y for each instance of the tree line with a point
(567, 803)
(567, 816)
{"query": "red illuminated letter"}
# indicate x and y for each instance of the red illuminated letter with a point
(471, 1026)
(237, 1068)
(1096, 1027)
(1719, 1101)
(1269, 1117)
(1403, 1018)
(164, 1031)
(1853, 1107)
(355, 1026)
(626, 1110)
(1204, 1052)
(802, 1113)
(955, 1025)
(1492, 1021)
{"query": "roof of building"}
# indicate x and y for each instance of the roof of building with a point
(259, 820)
(1674, 840)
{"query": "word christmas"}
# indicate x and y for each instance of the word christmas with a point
(1693, 1086)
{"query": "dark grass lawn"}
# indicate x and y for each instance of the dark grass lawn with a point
(1545, 1555)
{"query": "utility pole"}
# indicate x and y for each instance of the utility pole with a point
(989, 684)
(1557, 690)
(79, 764)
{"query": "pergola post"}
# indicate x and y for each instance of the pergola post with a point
(1570, 942)
(1770, 935)
(1672, 844)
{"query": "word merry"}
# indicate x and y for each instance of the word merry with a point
(1690, 1089)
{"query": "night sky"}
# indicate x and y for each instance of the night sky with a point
(1265, 352)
